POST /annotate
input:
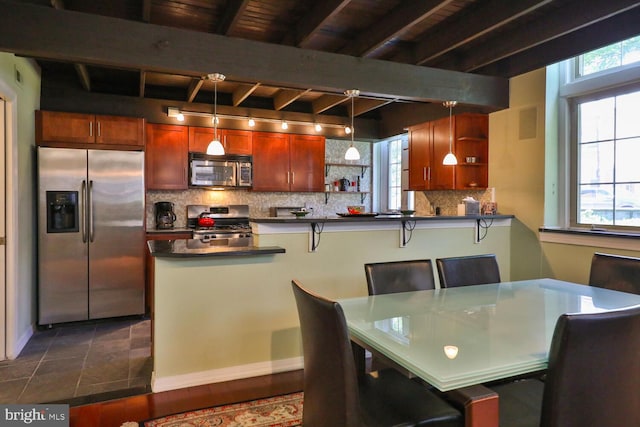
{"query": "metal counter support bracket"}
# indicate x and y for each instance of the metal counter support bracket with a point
(314, 236)
(476, 232)
(406, 232)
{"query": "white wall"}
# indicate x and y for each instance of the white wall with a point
(21, 207)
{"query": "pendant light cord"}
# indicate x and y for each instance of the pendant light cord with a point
(215, 109)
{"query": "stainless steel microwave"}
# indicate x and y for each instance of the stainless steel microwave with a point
(219, 171)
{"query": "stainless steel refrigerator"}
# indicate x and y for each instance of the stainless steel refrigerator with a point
(91, 261)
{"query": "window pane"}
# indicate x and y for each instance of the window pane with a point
(627, 119)
(596, 162)
(597, 120)
(631, 51)
(628, 160)
(608, 57)
(395, 174)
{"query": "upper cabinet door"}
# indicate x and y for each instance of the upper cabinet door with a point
(442, 176)
(53, 126)
(166, 157)
(420, 156)
(237, 141)
(234, 141)
(306, 162)
(119, 130)
(271, 162)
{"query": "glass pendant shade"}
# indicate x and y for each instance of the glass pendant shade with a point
(352, 152)
(215, 148)
(450, 159)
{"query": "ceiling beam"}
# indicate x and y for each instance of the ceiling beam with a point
(362, 106)
(451, 34)
(400, 21)
(92, 39)
(285, 97)
(325, 102)
(146, 10)
(83, 75)
(194, 88)
(243, 92)
(143, 83)
(315, 18)
(232, 12)
(570, 17)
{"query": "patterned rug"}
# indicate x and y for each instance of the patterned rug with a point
(279, 411)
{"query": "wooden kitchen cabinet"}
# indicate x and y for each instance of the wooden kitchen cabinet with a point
(166, 157)
(429, 143)
(283, 162)
(63, 128)
(234, 141)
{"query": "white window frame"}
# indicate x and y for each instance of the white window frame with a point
(615, 81)
(381, 177)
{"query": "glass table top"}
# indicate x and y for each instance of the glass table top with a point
(469, 335)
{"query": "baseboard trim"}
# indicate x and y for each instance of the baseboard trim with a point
(225, 374)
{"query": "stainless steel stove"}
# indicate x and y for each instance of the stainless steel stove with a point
(230, 228)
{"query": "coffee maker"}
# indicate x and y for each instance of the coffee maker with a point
(164, 215)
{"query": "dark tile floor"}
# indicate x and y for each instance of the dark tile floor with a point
(80, 363)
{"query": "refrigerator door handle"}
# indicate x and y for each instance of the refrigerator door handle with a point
(90, 212)
(83, 212)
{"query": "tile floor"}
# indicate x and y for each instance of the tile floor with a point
(80, 363)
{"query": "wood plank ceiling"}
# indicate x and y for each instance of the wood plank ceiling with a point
(500, 38)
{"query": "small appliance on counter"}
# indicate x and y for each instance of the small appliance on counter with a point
(220, 225)
(165, 217)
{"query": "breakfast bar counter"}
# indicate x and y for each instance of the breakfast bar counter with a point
(219, 317)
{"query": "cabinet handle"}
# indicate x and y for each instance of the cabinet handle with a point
(429, 173)
(288, 177)
(424, 173)
(90, 128)
(293, 177)
(99, 129)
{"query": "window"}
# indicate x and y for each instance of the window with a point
(608, 137)
(395, 174)
(602, 95)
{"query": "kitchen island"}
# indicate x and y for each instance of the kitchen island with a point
(219, 318)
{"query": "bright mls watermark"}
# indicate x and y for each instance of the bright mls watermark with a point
(34, 415)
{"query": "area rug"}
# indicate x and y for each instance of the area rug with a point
(279, 411)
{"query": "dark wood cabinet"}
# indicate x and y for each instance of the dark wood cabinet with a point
(306, 162)
(234, 141)
(283, 162)
(166, 157)
(73, 128)
(429, 144)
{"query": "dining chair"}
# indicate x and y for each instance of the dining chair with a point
(468, 270)
(616, 272)
(592, 379)
(335, 395)
(399, 276)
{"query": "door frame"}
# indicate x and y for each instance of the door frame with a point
(11, 205)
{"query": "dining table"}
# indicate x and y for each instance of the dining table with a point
(460, 339)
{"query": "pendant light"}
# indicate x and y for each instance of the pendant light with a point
(215, 147)
(352, 153)
(450, 158)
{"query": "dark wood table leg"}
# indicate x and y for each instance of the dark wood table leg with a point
(480, 405)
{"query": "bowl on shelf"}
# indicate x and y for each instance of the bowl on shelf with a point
(355, 209)
(300, 214)
(407, 212)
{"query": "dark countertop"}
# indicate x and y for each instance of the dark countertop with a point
(168, 231)
(189, 248)
(391, 218)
